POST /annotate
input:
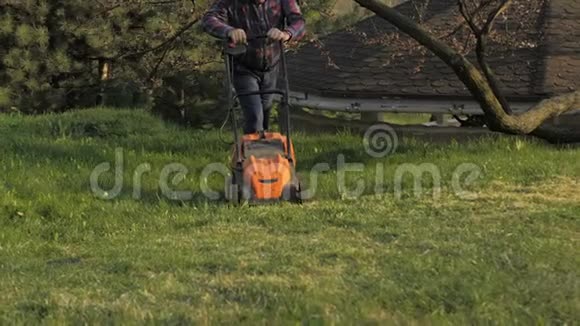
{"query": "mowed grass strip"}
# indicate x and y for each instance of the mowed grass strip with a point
(505, 251)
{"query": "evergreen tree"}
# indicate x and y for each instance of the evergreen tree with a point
(57, 54)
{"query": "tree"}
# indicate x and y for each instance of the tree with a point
(58, 54)
(55, 54)
(479, 17)
(34, 62)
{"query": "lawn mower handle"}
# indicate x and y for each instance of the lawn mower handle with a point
(257, 37)
(240, 49)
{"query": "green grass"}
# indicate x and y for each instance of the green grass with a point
(406, 118)
(391, 118)
(507, 254)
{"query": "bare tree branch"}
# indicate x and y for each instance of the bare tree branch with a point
(155, 69)
(481, 36)
(530, 122)
(167, 42)
(504, 5)
(468, 17)
(464, 22)
(480, 51)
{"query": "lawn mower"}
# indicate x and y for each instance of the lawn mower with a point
(263, 164)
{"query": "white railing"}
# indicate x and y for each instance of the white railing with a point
(395, 105)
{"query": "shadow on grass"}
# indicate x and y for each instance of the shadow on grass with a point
(332, 158)
(352, 153)
(193, 198)
(58, 152)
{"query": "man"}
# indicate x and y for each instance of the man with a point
(242, 21)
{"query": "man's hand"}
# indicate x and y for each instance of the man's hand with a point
(278, 35)
(238, 36)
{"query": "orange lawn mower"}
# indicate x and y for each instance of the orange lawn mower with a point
(263, 164)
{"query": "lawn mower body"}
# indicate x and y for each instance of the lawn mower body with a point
(264, 163)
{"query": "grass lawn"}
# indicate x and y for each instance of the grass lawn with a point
(392, 118)
(508, 252)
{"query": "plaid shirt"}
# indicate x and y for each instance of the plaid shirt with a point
(256, 19)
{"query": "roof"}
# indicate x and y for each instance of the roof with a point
(349, 64)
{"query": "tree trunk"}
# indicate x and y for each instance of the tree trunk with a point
(104, 77)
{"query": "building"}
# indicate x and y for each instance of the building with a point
(353, 70)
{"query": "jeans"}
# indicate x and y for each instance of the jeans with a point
(256, 108)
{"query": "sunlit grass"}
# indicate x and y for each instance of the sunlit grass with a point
(506, 252)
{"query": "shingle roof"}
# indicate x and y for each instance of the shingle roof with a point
(349, 65)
